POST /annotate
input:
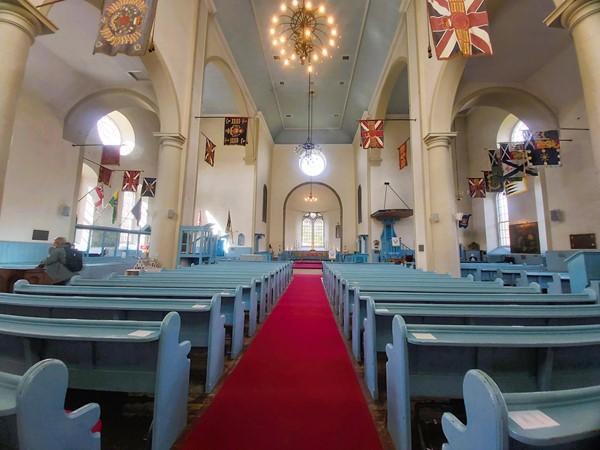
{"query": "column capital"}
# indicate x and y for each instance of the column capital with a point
(24, 15)
(570, 12)
(439, 139)
(175, 139)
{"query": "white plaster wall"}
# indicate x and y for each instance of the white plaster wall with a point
(41, 174)
(228, 186)
(401, 181)
(286, 175)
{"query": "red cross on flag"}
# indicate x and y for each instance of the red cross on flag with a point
(371, 133)
(459, 27)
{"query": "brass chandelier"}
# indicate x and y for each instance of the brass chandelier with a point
(302, 32)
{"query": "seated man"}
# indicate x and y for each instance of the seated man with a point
(55, 264)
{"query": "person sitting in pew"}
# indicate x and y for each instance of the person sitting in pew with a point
(55, 264)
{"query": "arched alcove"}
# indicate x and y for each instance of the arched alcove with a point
(329, 204)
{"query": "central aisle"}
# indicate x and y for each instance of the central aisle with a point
(294, 388)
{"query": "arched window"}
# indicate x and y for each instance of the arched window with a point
(517, 134)
(115, 129)
(502, 218)
(313, 230)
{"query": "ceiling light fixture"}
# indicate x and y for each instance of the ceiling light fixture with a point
(311, 198)
(302, 31)
(312, 160)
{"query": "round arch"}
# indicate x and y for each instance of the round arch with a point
(526, 106)
(385, 91)
(83, 116)
(229, 77)
(317, 183)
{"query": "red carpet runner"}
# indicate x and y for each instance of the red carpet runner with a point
(294, 388)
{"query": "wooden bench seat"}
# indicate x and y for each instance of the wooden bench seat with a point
(379, 316)
(109, 355)
(186, 302)
(37, 400)
(359, 307)
(202, 322)
(520, 359)
(354, 291)
(543, 420)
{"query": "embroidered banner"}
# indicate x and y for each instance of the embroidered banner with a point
(149, 187)
(402, 155)
(104, 175)
(476, 187)
(125, 27)
(131, 180)
(543, 148)
(236, 130)
(111, 155)
(459, 27)
(371, 133)
(514, 187)
(209, 152)
(493, 181)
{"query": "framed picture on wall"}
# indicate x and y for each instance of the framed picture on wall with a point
(524, 238)
(583, 241)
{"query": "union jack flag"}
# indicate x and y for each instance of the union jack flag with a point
(131, 180)
(371, 133)
(209, 152)
(476, 187)
(459, 27)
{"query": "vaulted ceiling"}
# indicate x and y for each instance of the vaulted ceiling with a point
(62, 69)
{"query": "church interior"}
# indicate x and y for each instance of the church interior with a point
(383, 150)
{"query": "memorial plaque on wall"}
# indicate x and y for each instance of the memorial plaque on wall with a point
(524, 238)
(583, 241)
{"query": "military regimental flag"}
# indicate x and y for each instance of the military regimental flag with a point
(464, 221)
(111, 155)
(104, 175)
(114, 202)
(98, 194)
(236, 131)
(543, 148)
(209, 152)
(149, 187)
(494, 182)
(137, 211)
(514, 187)
(125, 27)
(228, 228)
(459, 27)
(402, 155)
(371, 133)
(131, 180)
(476, 187)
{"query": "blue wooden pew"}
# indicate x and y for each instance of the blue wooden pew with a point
(109, 355)
(186, 302)
(378, 322)
(501, 298)
(353, 293)
(520, 359)
(37, 400)
(201, 320)
(544, 420)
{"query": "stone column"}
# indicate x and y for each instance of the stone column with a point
(582, 19)
(442, 212)
(166, 216)
(20, 23)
